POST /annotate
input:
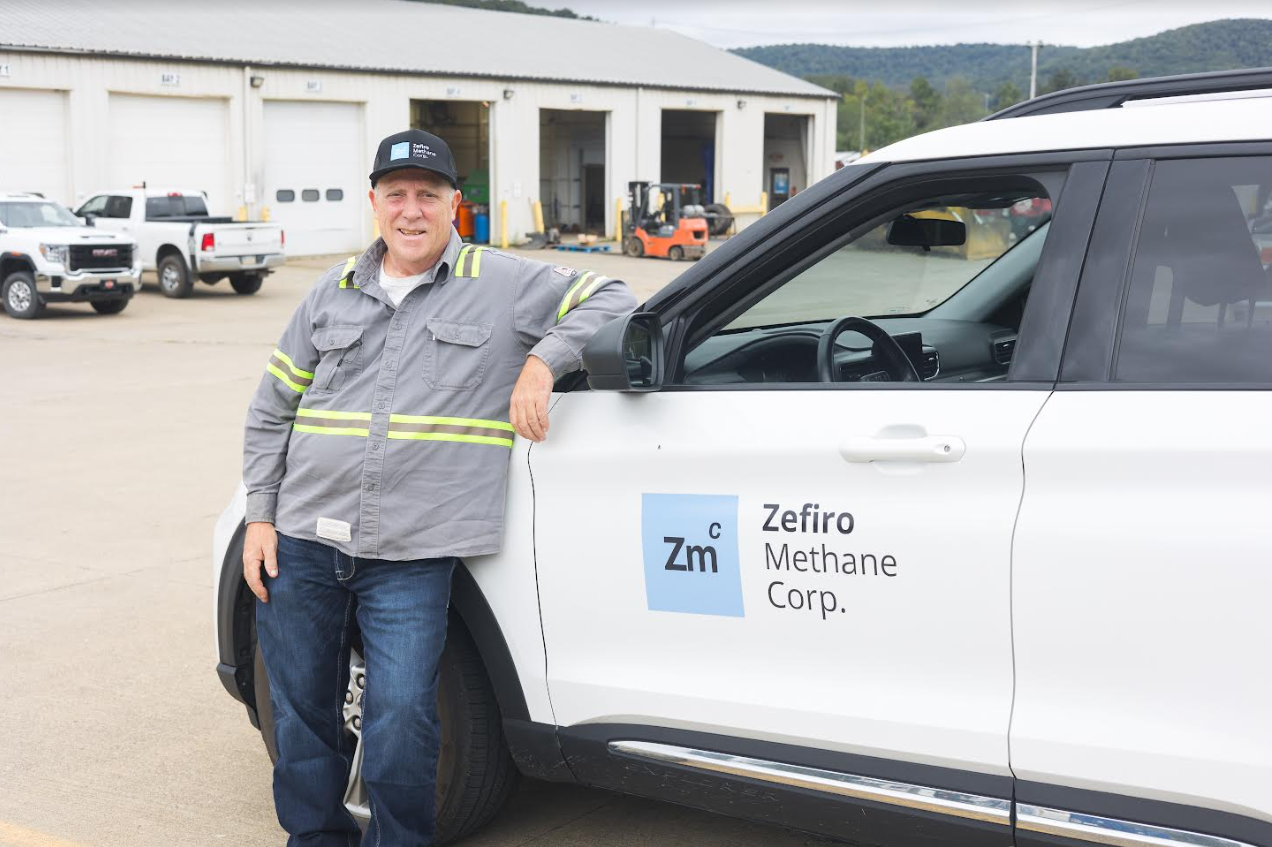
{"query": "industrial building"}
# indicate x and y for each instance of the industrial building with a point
(275, 107)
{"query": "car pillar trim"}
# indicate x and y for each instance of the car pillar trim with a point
(891, 792)
(1111, 831)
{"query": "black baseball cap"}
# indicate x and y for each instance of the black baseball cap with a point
(414, 148)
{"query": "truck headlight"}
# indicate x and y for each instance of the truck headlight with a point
(57, 254)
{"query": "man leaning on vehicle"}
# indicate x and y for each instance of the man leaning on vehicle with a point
(376, 453)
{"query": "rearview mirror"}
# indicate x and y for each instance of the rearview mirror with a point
(626, 354)
(909, 231)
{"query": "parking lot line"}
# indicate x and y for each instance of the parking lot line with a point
(12, 835)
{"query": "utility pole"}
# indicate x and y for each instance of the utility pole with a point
(1033, 72)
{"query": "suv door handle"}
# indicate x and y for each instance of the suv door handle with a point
(930, 448)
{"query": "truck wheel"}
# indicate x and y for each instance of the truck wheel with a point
(174, 276)
(21, 300)
(475, 773)
(245, 283)
(110, 307)
(634, 247)
(675, 253)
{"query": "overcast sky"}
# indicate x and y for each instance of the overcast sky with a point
(741, 23)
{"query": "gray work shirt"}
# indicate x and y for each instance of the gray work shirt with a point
(384, 432)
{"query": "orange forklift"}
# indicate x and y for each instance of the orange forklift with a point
(671, 231)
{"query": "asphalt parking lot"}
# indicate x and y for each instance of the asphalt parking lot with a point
(122, 437)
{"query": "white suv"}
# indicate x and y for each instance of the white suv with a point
(47, 256)
(897, 523)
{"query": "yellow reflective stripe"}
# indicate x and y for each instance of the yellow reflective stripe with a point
(292, 365)
(430, 419)
(344, 274)
(565, 301)
(477, 261)
(587, 292)
(463, 255)
(278, 372)
(332, 415)
(451, 436)
(331, 430)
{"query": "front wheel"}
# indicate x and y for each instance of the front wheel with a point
(110, 307)
(675, 253)
(634, 247)
(174, 276)
(245, 283)
(21, 300)
(475, 773)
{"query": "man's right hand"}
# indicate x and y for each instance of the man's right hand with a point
(260, 547)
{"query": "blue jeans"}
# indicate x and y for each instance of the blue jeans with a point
(305, 632)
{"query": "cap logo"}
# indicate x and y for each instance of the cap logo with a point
(421, 151)
(401, 150)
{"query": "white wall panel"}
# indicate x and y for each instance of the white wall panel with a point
(33, 154)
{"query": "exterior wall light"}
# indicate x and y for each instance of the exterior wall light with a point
(741, 104)
(257, 81)
(508, 92)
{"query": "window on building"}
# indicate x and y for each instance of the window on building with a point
(1199, 306)
(335, 195)
(309, 195)
(285, 195)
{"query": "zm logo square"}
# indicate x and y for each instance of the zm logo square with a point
(690, 543)
(401, 150)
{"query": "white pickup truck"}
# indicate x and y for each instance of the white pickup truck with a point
(179, 240)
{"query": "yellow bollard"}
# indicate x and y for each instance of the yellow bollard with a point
(618, 219)
(537, 208)
(503, 224)
(763, 203)
(241, 215)
(265, 213)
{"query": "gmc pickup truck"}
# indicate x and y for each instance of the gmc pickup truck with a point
(179, 240)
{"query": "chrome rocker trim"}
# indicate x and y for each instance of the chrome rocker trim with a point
(1111, 831)
(920, 797)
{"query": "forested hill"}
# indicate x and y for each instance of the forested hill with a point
(1217, 45)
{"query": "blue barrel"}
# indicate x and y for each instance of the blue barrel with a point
(481, 229)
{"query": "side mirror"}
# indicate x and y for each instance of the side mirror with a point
(90, 219)
(909, 231)
(626, 354)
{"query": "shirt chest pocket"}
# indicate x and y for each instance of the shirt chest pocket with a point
(456, 353)
(340, 357)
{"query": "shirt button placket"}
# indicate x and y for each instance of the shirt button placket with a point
(373, 462)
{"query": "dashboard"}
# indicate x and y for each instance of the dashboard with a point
(941, 351)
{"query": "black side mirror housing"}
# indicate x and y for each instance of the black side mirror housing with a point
(90, 219)
(626, 354)
(909, 231)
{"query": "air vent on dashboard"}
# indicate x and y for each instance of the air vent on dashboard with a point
(931, 364)
(1004, 348)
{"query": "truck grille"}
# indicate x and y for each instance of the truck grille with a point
(100, 256)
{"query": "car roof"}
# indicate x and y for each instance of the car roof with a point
(1145, 123)
(22, 196)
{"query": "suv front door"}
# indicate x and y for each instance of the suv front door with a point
(806, 574)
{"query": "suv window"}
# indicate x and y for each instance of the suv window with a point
(1199, 305)
(952, 306)
(95, 206)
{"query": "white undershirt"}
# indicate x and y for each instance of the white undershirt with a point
(397, 287)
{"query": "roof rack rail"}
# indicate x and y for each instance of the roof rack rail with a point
(1110, 95)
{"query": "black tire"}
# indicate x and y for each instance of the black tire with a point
(719, 218)
(21, 300)
(174, 276)
(246, 283)
(110, 307)
(675, 252)
(476, 774)
(634, 247)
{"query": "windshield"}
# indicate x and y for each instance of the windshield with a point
(36, 214)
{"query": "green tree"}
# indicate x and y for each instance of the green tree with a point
(962, 103)
(1059, 80)
(1007, 95)
(927, 103)
(1118, 73)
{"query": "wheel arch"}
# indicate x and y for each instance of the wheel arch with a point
(10, 262)
(236, 634)
(166, 250)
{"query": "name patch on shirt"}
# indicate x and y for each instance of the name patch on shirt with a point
(564, 271)
(334, 529)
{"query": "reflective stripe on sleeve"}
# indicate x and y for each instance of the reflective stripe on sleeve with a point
(463, 257)
(282, 367)
(346, 275)
(464, 267)
(568, 302)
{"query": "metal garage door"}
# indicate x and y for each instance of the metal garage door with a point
(171, 142)
(315, 175)
(34, 157)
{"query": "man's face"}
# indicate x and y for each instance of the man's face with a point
(414, 210)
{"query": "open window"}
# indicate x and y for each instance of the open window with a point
(937, 276)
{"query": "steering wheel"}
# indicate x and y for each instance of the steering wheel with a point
(884, 348)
